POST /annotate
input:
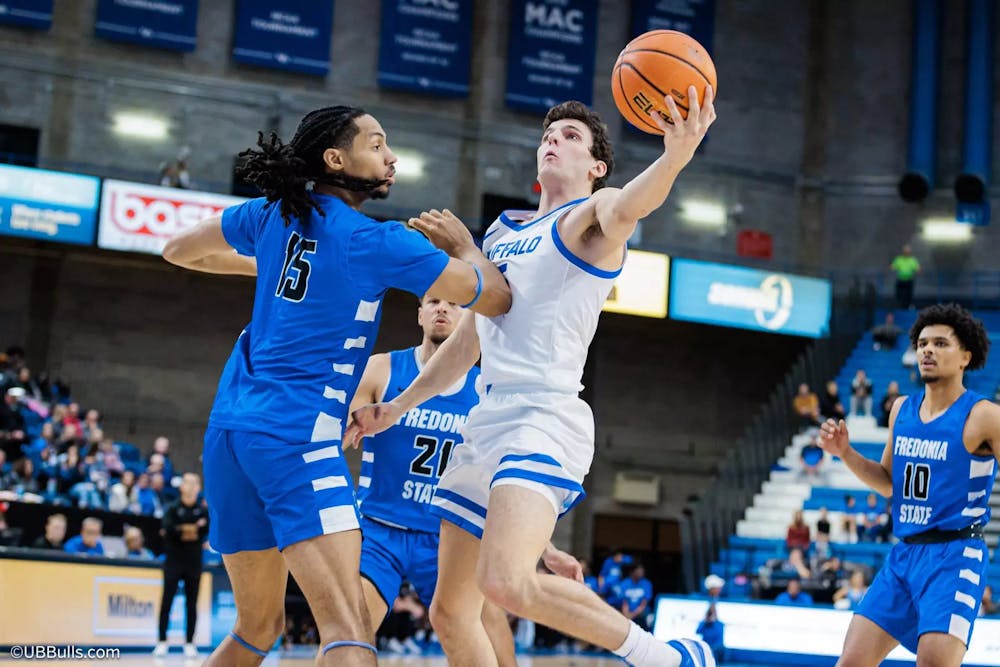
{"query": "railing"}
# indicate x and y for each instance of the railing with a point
(709, 521)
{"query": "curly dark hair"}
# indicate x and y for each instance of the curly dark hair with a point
(601, 149)
(286, 173)
(970, 332)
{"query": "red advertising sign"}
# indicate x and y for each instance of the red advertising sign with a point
(140, 218)
(754, 243)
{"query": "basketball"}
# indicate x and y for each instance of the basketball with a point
(653, 65)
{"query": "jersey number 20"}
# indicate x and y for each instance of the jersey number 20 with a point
(295, 272)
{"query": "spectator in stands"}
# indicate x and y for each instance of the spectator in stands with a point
(124, 495)
(823, 524)
(135, 544)
(26, 382)
(849, 595)
(821, 552)
(712, 632)
(795, 564)
(812, 457)
(9, 537)
(43, 447)
(794, 595)
(909, 362)
(861, 394)
(88, 542)
(12, 430)
(885, 407)
(69, 437)
(160, 458)
(872, 522)
(149, 501)
(108, 456)
(69, 471)
(806, 405)
(830, 405)
(55, 533)
(156, 485)
(611, 571)
(988, 607)
(850, 521)
(713, 586)
(797, 536)
(637, 595)
(886, 334)
(22, 478)
(174, 173)
(72, 416)
(91, 423)
(906, 267)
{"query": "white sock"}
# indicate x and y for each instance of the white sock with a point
(641, 649)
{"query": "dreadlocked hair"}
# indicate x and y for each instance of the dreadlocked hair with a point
(287, 173)
(969, 331)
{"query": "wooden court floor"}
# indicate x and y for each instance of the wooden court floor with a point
(298, 660)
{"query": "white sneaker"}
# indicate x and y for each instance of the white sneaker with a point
(190, 651)
(395, 646)
(161, 649)
(694, 652)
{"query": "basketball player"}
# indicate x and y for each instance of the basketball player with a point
(938, 467)
(400, 468)
(277, 486)
(530, 441)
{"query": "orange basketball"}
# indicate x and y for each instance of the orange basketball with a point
(654, 65)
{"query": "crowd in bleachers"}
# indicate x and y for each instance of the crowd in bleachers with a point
(54, 452)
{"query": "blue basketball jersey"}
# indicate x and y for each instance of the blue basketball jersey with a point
(936, 482)
(400, 467)
(320, 283)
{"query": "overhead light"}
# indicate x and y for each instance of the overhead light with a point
(140, 126)
(409, 165)
(703, 213)
(946, 230)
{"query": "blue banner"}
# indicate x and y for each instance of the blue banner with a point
(736, 296)
(550, 55)
(48, 205)
(426, 46)
(285, 34)
(30, 13)
(167, 24)
(692, 17)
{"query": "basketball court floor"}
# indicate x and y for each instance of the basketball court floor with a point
(300, 660)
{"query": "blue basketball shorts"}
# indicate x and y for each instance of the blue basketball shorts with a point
(263, 492)
(389, 555)
(928, 588)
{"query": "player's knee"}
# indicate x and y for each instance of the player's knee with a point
(260, 630)
(444, 617)
(517, 594)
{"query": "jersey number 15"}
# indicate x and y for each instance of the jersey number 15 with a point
(295, 273)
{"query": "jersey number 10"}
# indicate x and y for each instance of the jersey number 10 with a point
(916, 481)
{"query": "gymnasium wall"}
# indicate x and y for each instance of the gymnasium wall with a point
(813, 109)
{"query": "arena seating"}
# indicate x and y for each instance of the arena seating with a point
(760, 535)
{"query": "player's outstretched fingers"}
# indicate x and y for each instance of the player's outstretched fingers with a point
(694, 106)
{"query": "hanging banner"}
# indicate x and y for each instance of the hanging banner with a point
(167, 24)
(692, 17)
(48, 205)
(426, 46)
(284, 34)
(550, 55)
(28, 13)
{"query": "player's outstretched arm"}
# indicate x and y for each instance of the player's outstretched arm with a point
(371, 388)
(875, 474)
(452, 360)
(204, 248)
(470, 278)
(619, 210)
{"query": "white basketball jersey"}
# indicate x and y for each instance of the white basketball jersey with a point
(541, 343)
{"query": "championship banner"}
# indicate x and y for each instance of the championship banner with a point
(48, 205)
(284, 34)
(141, 218)
(550, 54)
(28, 13)
(426, 46)
(167, 24)
(692, 17)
